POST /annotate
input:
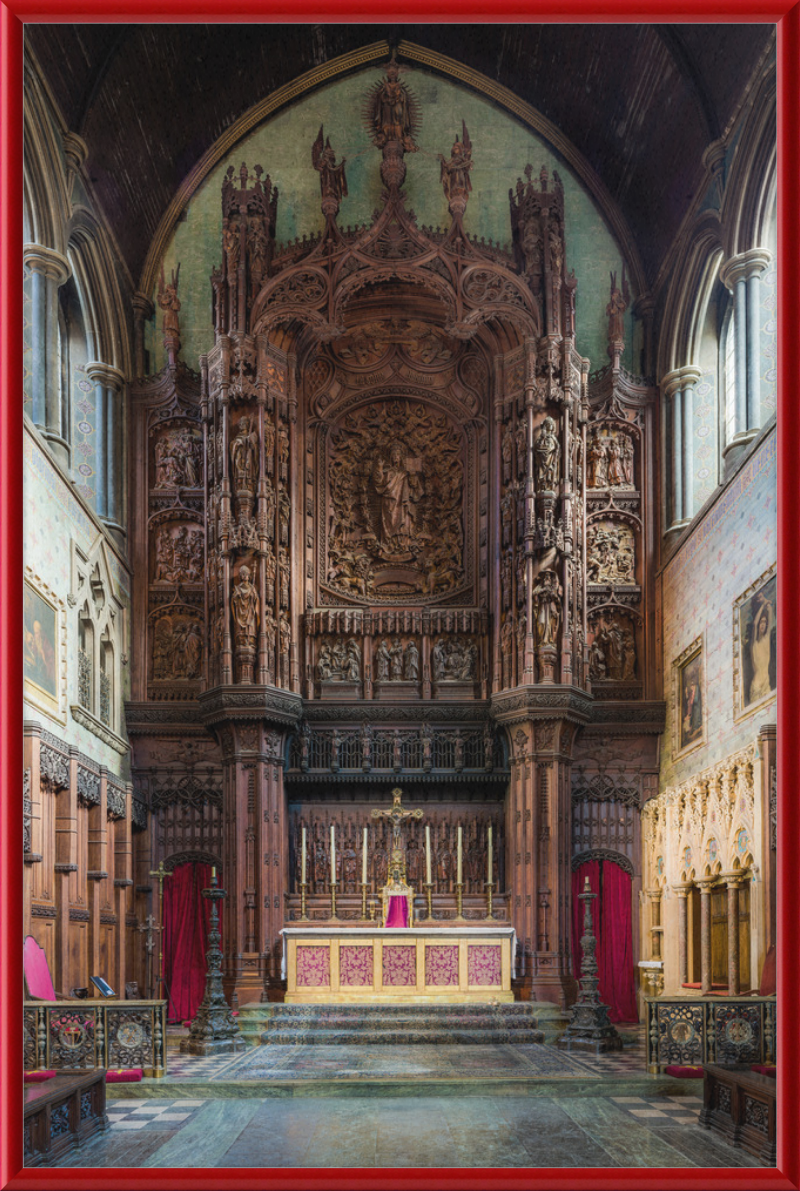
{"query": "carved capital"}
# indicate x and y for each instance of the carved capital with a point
(748, 264)
(46, 261)
(76, 150)
(105, 374)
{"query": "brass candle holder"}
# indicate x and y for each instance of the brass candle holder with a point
(303, 896)
(333, 898)
(459, 901)
(373, 905)
(489, 888)
(364, 888)
(428, 892)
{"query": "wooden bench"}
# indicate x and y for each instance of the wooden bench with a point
(740, 1104)
(61, 1113)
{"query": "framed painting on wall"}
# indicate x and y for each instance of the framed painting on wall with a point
(44, 647)
(755, 631)
(689, 699)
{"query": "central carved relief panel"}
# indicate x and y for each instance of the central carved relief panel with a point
(395, 508)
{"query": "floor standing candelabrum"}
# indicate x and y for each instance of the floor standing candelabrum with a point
(214, 1029)
(589, 1028)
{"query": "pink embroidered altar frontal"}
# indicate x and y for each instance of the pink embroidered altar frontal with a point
(338, 963)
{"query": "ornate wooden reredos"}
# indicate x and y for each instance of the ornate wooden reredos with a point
(377, 504)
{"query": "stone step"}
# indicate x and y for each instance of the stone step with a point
(361, 1036)
(515, 1009)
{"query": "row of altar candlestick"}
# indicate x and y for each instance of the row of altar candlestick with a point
(459, 869)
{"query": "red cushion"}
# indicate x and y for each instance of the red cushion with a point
(186, 1024)
(132, 1075)
(234, 1012)
(38, 1076)
(684, 1072)
(765, 1069)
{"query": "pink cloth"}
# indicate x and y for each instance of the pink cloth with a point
(398, 910)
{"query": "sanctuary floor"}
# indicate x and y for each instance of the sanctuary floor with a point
(315, 1106)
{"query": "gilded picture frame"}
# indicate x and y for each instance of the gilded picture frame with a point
(44, 647)
(755, 653)
(689, 699)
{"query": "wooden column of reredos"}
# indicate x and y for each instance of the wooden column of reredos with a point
(361, 555)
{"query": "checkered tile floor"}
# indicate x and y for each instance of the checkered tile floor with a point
(138, 1114)
(661, 1110)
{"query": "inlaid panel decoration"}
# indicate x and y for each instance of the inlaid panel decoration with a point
(314, 967)
(737, 1034)
(483, 964)
(355, 966)
(129, 1038)
(441, 964)
(72, 1039)
(400, 965)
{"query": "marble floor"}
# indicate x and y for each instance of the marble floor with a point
(426, 1131)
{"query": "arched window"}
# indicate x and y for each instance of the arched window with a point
(727, 374)
(106, 707)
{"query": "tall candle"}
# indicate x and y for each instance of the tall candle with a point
(458, 878)
(213, 872)
(489, 841)
(428, 853)
(333, 854)
(364, 860)
(303, 855)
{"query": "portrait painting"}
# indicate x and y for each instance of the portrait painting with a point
(690, 712)
(39, 641)
(755, 634)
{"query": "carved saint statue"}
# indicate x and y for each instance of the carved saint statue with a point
(243, 457)
(244, 605)
(382, 659)
(547, 608)
(398, 490)
(455, 172)
(169, 303)
(615, 310)
(412, 662)
(332, 182)
(547, 453)
(390, 111)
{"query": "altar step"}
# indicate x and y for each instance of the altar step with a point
(387, 1025)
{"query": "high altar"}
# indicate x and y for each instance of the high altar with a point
(399, 961)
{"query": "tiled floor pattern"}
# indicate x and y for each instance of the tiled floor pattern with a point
(428, 1131)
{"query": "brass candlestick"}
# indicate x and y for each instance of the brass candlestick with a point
(363, 899)
(428, 892)
(489, 888)
(459, 900)
(333, 898)
(373, 905)
(303, 895)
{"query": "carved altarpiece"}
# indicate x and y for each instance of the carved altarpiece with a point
(385, 449)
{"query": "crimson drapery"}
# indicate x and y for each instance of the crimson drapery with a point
(186, 920)
(612, 922)
(398, 910)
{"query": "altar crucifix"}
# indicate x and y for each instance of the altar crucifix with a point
(398, 897)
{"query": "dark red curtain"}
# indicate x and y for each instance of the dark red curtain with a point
(186, 919)
(613, 926)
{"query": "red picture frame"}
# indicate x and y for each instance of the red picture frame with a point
(12, 17)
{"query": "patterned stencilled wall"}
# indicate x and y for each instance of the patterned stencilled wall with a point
(502, 147)
(769, 342)
(53, 518)
(84, 425)
(734, 543)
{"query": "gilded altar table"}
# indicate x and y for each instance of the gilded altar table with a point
(330, 964)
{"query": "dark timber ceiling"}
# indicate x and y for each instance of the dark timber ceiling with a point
(640, 102)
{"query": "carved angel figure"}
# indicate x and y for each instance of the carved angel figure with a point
(332, 181)
(615, 310)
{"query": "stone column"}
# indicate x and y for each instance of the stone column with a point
(108, 382)
(741, 276)
(654, 897)
(671, 391)
(733, 881)
(683, 889)
(704, 885)
(143, 311)
(49, 270)
(679, 385)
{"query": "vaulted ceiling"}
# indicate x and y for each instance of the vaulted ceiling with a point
(641, 103)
